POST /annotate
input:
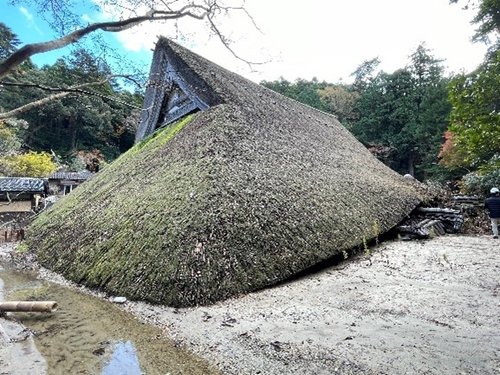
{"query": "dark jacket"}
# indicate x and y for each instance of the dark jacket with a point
(492, 204)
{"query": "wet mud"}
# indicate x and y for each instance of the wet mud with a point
(88, 335)
(419, 307)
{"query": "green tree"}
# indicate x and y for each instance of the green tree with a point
(97, 119)
(432, 111)
(387, 111)
(364, 74)
(337, 99)
(405, 111)
(11, 136)
(303, 91)
(340, 100)
(8, 41)
(83, 122)
(487, 19)
(475, 117)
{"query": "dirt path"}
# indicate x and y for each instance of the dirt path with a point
(429, 307)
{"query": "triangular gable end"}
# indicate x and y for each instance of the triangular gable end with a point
(171, 93)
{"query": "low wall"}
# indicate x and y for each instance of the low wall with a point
(15, 206)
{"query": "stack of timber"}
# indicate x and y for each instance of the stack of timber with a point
(467, 202)
(425, 222)
(461, 200)
(476, 220)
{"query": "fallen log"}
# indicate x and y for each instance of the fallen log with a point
(28, 306)
(437, 210)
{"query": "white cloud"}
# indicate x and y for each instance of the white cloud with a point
(324, 38)
(26, 13)
(31, 21)
(87, 18)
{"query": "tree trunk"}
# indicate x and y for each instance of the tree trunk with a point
(73, 130)
(411, 164)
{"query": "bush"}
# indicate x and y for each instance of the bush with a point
(480, 183)
(31, 164)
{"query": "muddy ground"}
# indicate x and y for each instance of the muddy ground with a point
(18, 353)
(421, 307)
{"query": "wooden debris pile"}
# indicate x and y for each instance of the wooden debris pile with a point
(459, 213)
(467, 199)
(425, 222)
(466, 202)
(476, 219)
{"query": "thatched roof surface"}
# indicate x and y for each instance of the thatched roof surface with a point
(234, 198)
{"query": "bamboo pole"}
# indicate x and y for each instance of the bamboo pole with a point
(28, 306)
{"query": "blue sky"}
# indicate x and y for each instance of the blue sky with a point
(28, 29)
(326, 39)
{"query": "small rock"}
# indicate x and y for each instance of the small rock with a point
(99, 351)
(119, 299)
(276, 345)
(206, 316)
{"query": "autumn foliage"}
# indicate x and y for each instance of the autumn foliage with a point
(450, 156)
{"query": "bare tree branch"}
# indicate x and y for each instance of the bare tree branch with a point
(173, 10)
(227, 43)
(61, 93)
(31, 105)
(192, 10)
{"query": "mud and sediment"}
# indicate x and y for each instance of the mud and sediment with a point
(419, 307)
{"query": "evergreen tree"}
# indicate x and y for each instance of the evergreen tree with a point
(407, 112)
(8, 41)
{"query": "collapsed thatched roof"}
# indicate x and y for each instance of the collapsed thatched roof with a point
(245, 193)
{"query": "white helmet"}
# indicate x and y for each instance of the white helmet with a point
(494, 190)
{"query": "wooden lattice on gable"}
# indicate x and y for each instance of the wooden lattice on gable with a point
(172, 93)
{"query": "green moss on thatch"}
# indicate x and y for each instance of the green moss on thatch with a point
(233, 199)
(106, 237)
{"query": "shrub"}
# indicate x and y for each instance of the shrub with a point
(480, 183)
(31, 164)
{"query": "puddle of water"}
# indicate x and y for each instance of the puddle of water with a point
(123, 360)
(87, 335)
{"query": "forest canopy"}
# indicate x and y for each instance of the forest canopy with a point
(103, 116)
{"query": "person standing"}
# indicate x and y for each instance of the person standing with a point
(492, 204)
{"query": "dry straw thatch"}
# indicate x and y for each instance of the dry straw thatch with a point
(231, 199)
